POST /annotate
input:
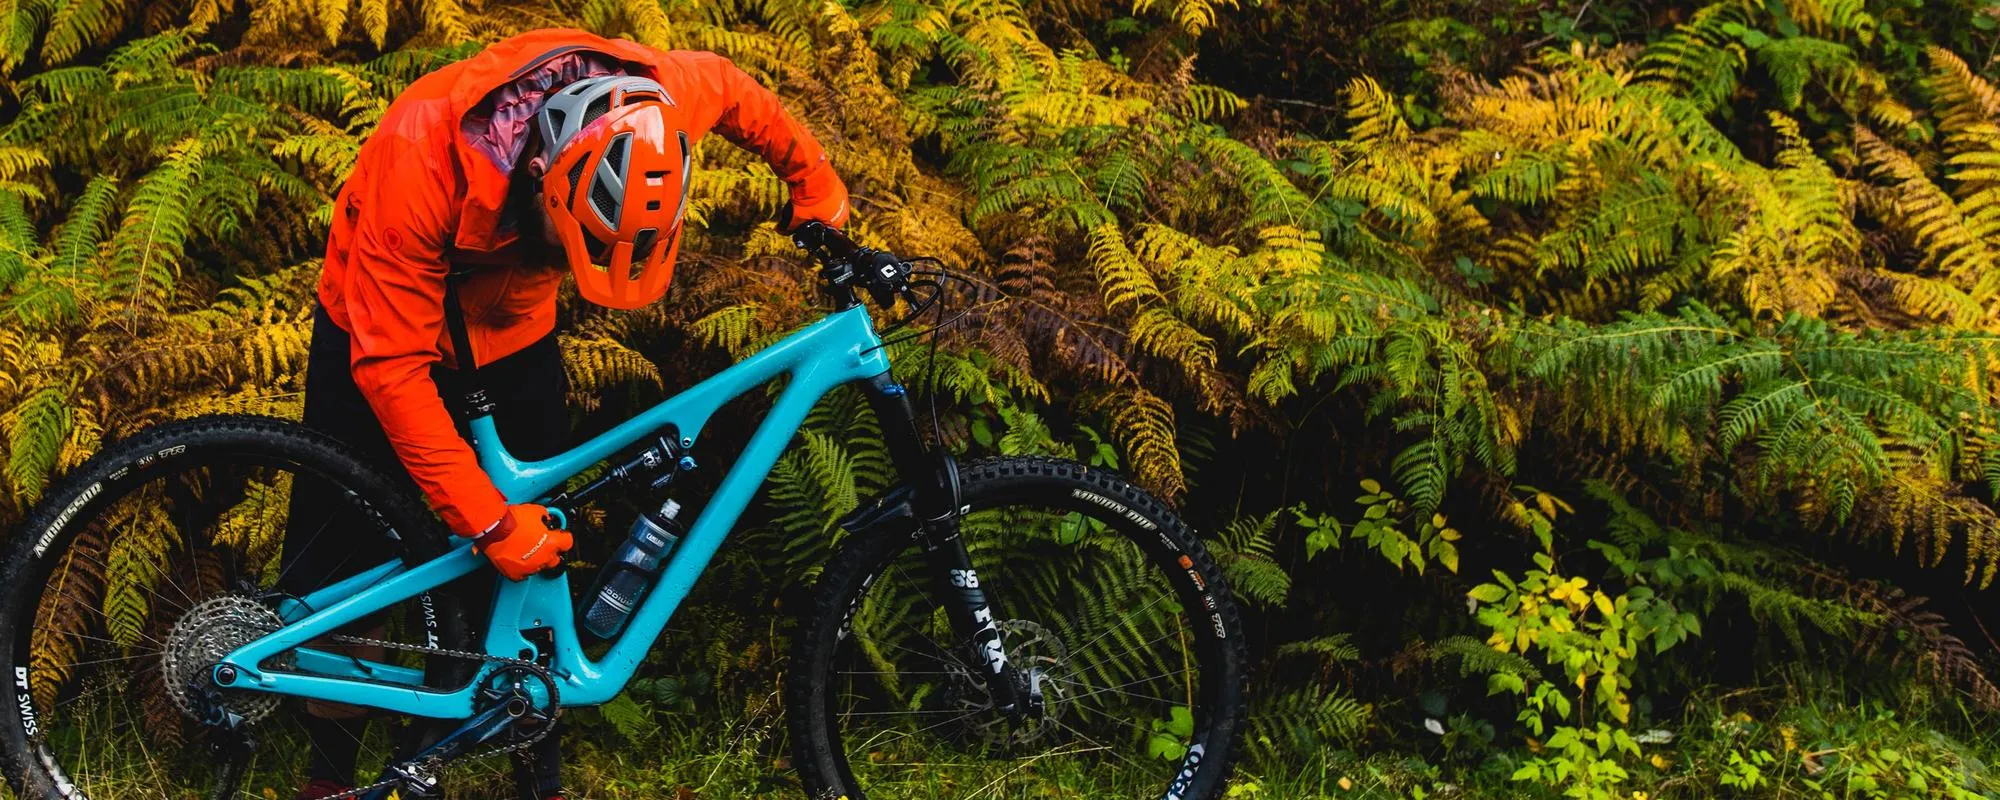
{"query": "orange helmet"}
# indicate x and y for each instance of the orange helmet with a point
(616, 186)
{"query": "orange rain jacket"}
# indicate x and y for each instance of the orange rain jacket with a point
(425, 198)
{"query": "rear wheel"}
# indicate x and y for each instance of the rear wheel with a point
(1118, 623)
(160, 555)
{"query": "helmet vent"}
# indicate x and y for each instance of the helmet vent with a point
(576, 172)
(597, 108)
(615, 154)
(642, 244)
(606, 203)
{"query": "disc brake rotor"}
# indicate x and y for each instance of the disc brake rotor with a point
(204, 635)
(1042, 661)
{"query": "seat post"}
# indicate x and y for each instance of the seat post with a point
(473, 400)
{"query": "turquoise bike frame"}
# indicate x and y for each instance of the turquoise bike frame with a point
(841, 348)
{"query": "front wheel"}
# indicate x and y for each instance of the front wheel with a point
(1123, 637)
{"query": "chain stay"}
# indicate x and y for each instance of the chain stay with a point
(428, 768)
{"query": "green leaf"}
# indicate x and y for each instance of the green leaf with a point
(1072, 529)
(1487, 593)
(1447, 554)
(1164, 747)
(1322, 539)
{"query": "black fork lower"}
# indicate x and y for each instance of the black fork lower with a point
(933, 476)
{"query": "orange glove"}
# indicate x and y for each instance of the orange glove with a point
(522, 543)
(832, 214)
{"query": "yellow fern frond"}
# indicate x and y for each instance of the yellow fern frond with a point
(373, 16)
(332, 18)
(447, 19)
(1120, 275)
(1144, 424)
(595, 364)
(1376, 115)
(1926, 214)
(734, 328)
(1158, 332)
(650, 25)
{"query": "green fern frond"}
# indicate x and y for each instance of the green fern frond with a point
(1246, 549)
(36, 427)
(1329, 648)
(147, 247)
(77, 24)
(18, 243)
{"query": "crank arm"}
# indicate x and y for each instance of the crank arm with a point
(417, 777)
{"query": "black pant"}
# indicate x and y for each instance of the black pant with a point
(528, 389)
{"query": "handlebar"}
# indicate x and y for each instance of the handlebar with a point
(847, 266)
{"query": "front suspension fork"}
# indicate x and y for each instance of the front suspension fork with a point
(937, 506)
(971, 615)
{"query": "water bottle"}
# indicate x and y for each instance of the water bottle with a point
(630, 572)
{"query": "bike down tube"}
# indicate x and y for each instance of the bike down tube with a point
(841, 348)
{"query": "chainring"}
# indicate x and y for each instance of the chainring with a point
(203, 636)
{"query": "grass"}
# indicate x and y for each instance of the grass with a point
(1793, 739)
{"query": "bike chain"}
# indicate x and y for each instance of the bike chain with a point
(434, 765)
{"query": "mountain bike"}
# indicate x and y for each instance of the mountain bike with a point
(981, 628)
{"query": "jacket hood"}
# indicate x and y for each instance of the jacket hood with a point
(483, 161)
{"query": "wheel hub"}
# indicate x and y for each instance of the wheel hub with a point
(204, 635)
(1041, 664)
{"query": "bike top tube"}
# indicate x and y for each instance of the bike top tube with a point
(840, 348)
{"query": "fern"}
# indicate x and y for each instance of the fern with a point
(141, 543)
(1302, 718)
(146, 250)
(1476, 657)
(1246, 550)
(77, 24)
(1144, 424)
(36, 428)
(595, 365)
(1336, 647)
(18, 240)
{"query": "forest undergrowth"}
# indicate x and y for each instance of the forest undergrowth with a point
(1585, 399)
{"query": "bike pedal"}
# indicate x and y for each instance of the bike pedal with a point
(416, 781)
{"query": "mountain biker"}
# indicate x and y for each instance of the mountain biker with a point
(485, 179)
